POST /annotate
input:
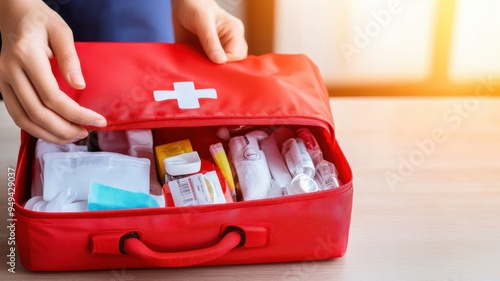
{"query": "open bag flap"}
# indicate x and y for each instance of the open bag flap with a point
(156, 85)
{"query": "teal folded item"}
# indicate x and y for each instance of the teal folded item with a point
(103, 197)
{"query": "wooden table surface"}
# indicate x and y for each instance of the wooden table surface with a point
(426, 200)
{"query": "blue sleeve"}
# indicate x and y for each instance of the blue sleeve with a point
(117, 20)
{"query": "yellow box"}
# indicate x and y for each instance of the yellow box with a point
(168, 150)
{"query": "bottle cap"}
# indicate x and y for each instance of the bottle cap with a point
(183, 164)
(302, 183)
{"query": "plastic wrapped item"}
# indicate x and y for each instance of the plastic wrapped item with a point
(63, 202)
(297, 158)
(76, 170)
(103, 197)
(326, 175)
(220, 158)
(311, 145)
(41, 148)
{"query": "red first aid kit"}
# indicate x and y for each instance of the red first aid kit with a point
(177, 93)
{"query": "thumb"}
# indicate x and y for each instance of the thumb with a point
(63, 46)
(209, 40)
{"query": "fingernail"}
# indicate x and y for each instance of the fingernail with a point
(219, 57)
(81, 135)
(99, 123)
(77, 78)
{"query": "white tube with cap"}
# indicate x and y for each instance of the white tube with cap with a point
(277, 166)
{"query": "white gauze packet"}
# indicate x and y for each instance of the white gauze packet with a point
(41, 148)
(76, 170)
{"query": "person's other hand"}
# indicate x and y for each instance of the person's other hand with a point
(221, 35)
(32, 33)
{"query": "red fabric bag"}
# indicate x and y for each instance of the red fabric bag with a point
(193, 98)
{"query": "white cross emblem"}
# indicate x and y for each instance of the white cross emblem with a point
(185, 94)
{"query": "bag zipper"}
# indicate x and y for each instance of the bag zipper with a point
(221, 121)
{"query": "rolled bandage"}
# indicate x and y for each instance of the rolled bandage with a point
(251, 167)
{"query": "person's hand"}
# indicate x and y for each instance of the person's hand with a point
(32, 34)
(220, 34)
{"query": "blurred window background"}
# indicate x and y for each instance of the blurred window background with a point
(382, 47)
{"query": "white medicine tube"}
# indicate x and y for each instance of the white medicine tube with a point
(141, 146)
(277, 167)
